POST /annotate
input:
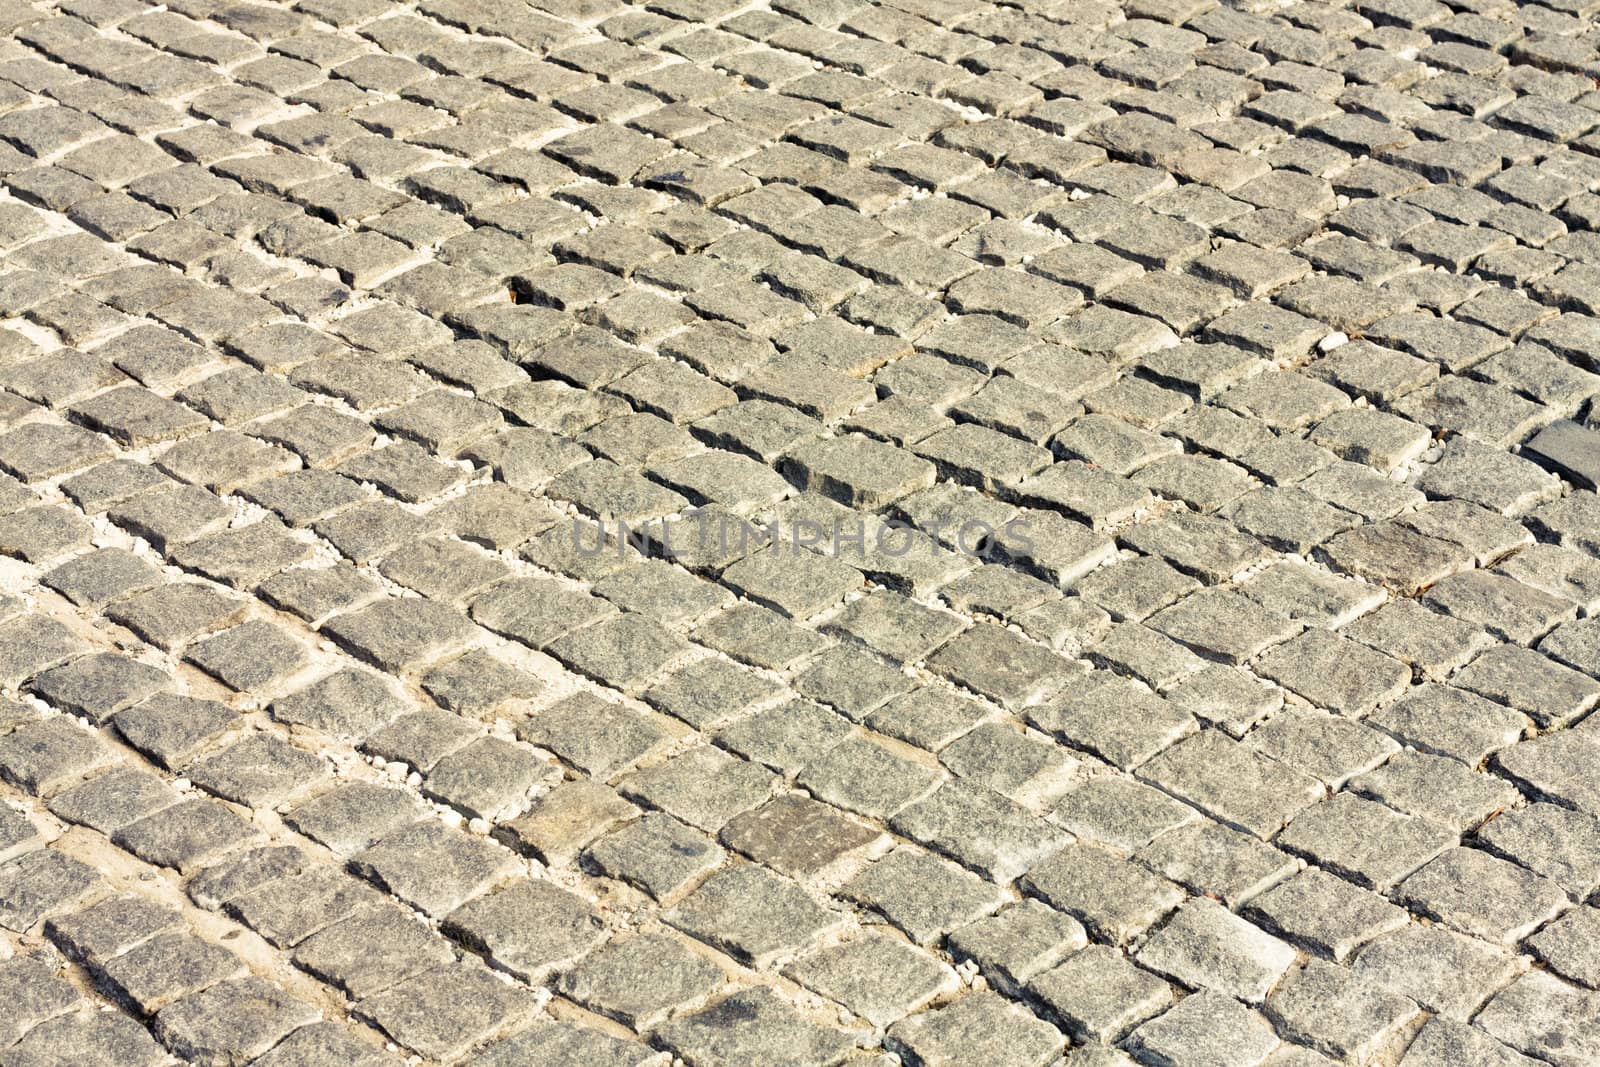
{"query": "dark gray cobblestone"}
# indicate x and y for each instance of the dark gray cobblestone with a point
(1133, 541)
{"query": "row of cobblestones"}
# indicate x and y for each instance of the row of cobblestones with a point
(1161, 448)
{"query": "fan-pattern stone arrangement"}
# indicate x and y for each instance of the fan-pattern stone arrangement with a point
(1167, 432)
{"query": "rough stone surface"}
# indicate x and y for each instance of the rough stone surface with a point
(772, 528)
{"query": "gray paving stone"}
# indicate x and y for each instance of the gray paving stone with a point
(1443, 971)
(475, 1005)
(1483, 896)
(89, 1036)
(433, 867)
(751, 1023)
(643, 981)
(1099, 995)
(921, 894)
(1330, 1010)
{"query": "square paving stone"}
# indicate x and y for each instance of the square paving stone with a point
(244, 556)
(31, 644)
(1541, 1015)
(1233, 783)
(1549, 693)
(1207, 857)
(596, 736)
(33, 992)
(260, 770)
(443, 1013)
(1208, 1025)
(98, 577)
(750, 1024)
(1549, 840)
(167, 967)
(1222, 624)
(1330, 748)
(1445, 972)
(657, 854)
(1324, 914)
(528, 927)
(895, 625)
(1438, 788)
(233, 1020)
(921, 894)
(623, 652)
(796, 836)
(286, 910)
(877, 976)
(37, 451)
(536, 611)
(867, 778)
(786, 737)
(41, 534)
(348, 703)
(981, 829)
(643, 981)
(851, 680)
(89, 1037)
(432, 867)
(1016, 764)
(756, 916)
(170, 729)
(488, 778)
(561, 823)
(1114, 810)
(41, 884)
(1018, 944)
(323, 1043)
(1482, 895)
(1002, 666)
(249, 658)
(705, 787)
(1079, 879)
(565, 1045)
(981, 1027)
(1205, 946)
(1082, 716)
(171, 614)
(43, 757)
(1364, 841)
(246, 871)
(1451, 722)
(353, 816)
(400, 633)
(1335, 673)
(1099, 995)
(478, 684)
(1431, 644)
(442, 569)
(112, 800)
(1334, 1012)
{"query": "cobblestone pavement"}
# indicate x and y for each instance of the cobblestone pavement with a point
(1201, 396)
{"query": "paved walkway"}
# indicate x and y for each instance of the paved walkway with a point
(799, 533)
